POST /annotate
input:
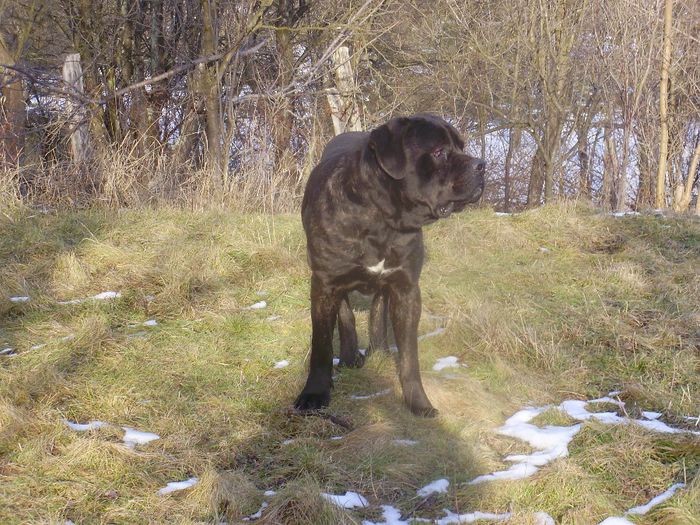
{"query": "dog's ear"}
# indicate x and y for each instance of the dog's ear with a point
(387, 143)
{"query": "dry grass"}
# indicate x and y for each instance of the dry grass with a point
(610, 304)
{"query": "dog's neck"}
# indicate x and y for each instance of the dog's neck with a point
(385, 193)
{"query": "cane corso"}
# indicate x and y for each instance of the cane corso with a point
(363, 211)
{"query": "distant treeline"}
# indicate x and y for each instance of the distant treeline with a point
(125, 101)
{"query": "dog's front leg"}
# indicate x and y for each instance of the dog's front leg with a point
(324, 310)
(405, 309)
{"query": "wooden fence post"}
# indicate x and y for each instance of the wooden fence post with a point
(76, 114)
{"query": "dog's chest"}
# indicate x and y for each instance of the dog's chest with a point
(381, 270)
(381, 255)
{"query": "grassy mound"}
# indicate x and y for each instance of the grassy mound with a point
(552, 304)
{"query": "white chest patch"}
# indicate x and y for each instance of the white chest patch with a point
(378, 269)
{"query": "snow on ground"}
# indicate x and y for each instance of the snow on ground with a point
(257, 306)
(20, 299)
(404, 442)
(258, 514)
(435, 332)
(376, 394)
(439, 485)
(552, 442)
(177, 485)
(643, 509)
(471, 517)
(349, 500)
(104, 296)
(131, 438)
(83, 427)
(281, 364)
(390, 515)
(273, 318)
(446, 362)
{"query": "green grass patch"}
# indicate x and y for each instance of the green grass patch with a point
(552, 304)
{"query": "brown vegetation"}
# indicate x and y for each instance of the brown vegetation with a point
(221, 100)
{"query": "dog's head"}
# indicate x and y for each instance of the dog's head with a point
(424, 155)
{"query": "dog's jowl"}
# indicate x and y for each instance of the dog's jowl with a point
(363, 210)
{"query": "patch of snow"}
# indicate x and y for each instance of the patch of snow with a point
(376, 394)
(150, 322)
(257, 306)
(281, 364)
(435, 332)
(106, 295)
(258, 514)
(577, 410)
(133, 437)
(20, 299)
(336, 438)
(439, 485)
(287, 442)
(261, 293)
(653, 502)
(9, 351)
(269, 493)
(502, 214)
(446, 362)
(336, 361)
(542, 518)
(544, 249)
(349, 500)
(550, 442)
(103, 296)
(273, 318)
(83, 427)
(608, 399)
(625, 214)
(390, 516)
(177, 485)
(37, 347)
(404, 442)
(616, 521)
(471, 517)
(362, 351)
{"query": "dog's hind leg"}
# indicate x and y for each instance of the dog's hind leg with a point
(378, 326)
(349, 351)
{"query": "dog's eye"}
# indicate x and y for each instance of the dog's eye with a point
(438, 153)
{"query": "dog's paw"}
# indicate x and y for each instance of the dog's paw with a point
(356, 361)
(310, 401)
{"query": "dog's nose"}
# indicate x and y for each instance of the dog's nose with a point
(478, 166)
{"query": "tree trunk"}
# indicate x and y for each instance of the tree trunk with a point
(513, 141)
(621, 201)
(610, 171)
(663, 107)
(341, 99)
(12, 115)
(645, 193)
(208, 88)
(534, 188)
(687, 193)
(73, 77)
